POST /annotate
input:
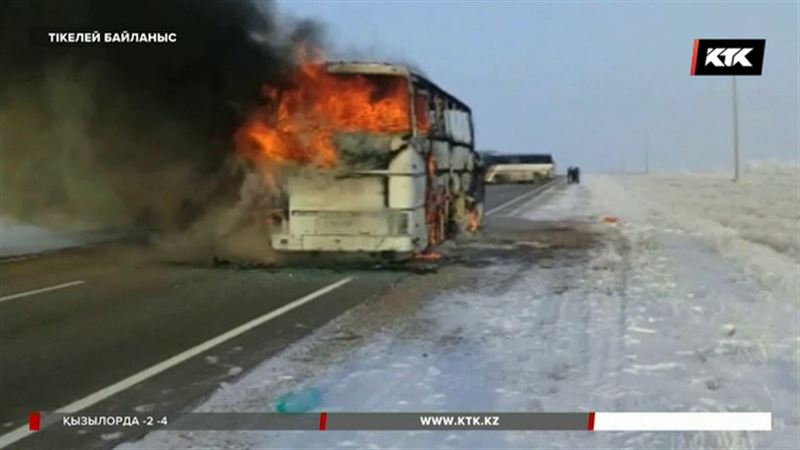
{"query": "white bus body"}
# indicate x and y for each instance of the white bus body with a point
(519, 169)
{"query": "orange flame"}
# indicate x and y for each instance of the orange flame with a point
(428, 256)
(474, 221)
(299, 122)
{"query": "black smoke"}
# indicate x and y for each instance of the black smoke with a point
(117, 134)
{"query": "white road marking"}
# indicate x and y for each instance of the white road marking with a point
(541, 197)
(21, 432)
(521, 196)
(39, 291)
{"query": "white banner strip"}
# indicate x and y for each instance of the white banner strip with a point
(683, 421)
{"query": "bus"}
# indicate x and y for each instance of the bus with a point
(407, 176)
(519, 168)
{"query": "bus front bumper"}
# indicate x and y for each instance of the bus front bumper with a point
(344, 243)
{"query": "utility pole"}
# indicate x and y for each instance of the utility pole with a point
(646, 152)
(735, 133)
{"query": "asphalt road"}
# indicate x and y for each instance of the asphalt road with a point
(113, 329)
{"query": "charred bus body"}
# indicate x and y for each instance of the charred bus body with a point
(399, 189)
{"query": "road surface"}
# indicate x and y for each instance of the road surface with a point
(114, 329)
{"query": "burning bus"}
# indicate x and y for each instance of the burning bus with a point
(395, 167)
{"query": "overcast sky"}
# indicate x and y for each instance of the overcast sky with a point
(590, 82)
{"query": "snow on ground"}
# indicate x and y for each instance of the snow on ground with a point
(17, 238)
(660, 313)
(754, 222)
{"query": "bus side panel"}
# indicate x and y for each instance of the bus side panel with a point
(407, 191)
(407, 180)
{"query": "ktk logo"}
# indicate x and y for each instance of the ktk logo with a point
(732, 57)
(728, 56)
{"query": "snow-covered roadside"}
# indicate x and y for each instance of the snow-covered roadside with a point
(644, 318)
(734, 291)
(754, 222)
(17, 238)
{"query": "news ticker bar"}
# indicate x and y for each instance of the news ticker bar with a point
(592, 421)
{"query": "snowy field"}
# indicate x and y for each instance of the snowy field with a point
(762, 207)
(755, 222)
(646, 293)
(18, 239)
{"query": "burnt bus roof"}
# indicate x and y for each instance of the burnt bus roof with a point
(380, 68)
(521, 158)
(433, 86)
